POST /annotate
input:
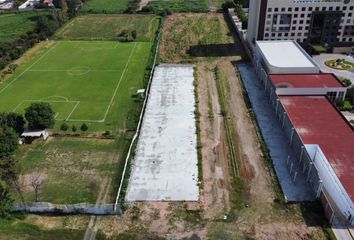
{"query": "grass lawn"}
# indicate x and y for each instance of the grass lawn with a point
(188, 37)
(84, 81)
(33, 227)
(108, 5)
(107, 27)
(340, 64)
(12, 26)
(181, 5)
(71, 169)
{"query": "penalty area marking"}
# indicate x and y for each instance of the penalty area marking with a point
(52, 101)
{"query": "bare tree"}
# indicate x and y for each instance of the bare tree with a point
(36, 182)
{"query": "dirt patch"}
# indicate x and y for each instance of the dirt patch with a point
(27, 180)
(215, 196)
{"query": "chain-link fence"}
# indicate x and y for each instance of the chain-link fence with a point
(80, 208)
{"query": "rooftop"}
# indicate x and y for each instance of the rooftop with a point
(322, 80)
(317, 121)
(286, 57)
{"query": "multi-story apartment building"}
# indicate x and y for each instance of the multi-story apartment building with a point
(329, 23)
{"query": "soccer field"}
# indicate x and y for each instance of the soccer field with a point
(82, 80)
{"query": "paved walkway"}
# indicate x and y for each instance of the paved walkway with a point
(320, 59)
(275, 139)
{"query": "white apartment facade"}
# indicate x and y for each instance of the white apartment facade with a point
(326, 22)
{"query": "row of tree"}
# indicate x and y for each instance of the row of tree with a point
(46, 25)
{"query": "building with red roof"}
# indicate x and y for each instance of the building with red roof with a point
(308, 84)
(329, 141)
(322, 139)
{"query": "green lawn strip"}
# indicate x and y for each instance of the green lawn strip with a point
(17, 229)
(180, 5)
(14, 25)
(107, 27)
(108, 6)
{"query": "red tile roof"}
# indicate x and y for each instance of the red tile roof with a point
(322, 80)
(317, 121)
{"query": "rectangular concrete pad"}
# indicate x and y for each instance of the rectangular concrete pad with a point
(165, 164)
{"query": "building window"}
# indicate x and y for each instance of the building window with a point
(332, 96)
(340, 95)
(269, 10)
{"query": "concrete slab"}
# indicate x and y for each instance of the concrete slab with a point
(275, 139)
(165, 166)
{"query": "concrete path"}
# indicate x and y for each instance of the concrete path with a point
(275, 139)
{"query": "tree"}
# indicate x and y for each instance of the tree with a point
(134, 34)
(84, 127)
(64, 127)
(40, 116)
(6, 201)
(73, 128)
(36, 182)
(12, 120)
(8, 143)
(350, 95)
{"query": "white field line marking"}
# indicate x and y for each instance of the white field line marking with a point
(84, 120)
(40, 58)
(120, 80)
(77, 104)
(49, 97)
(56, 115)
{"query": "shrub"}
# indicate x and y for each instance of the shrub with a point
(64, 127)
(84, 127)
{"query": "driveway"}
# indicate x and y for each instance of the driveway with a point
(320, 59)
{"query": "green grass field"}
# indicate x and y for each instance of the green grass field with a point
(181, 5)
(108, 5)
(71, 170)
(107, 27)
(84, 81)
(12, 26)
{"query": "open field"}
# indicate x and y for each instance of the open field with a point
(91, 82)
(180, 5)
(107, 27)
(108, 5)
(33, 227)
(192, 37)
(71, 171)
(12, 26)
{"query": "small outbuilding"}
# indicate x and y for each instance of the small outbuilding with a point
(29, 136)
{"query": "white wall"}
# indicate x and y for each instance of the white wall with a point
(253, 18)
(308, 91)
(330, 181)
